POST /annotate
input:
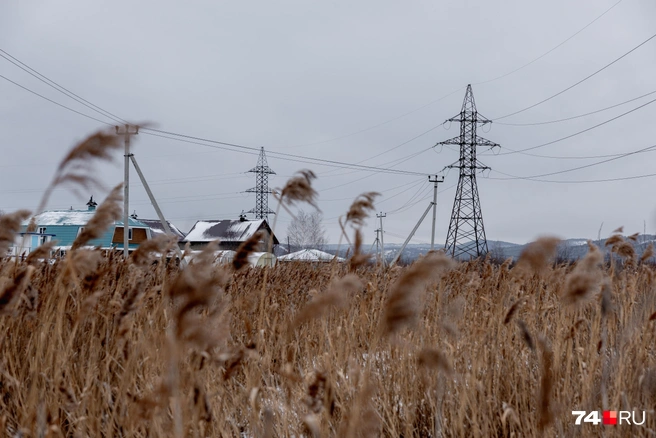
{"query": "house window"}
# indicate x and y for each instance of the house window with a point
(129, 233)
(42, 239)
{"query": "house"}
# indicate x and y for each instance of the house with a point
(309, 255)
(156, 227)
(230, 233)
(63, 226)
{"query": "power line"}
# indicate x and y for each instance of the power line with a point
(381, 123)
(579, 116)
(461, 88)
(588, 181)
(56, 103)
(279, 155)
(552, 49)
(579, 82)
(252, 150)
(18, 63)
(523, 151)
(404, 159)
(398, 146)
(649, 148)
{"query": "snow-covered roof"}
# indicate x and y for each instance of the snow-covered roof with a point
(156, 227)
(225, 230)
(73, 217)
(309, 255)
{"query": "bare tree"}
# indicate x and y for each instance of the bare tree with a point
(306, 231)
(497, 254)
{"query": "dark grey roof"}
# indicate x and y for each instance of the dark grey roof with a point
(157, 228)
(226, 230)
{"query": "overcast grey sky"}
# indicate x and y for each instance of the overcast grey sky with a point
(311, 78)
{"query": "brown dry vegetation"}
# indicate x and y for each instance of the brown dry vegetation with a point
(93, 345)
(125, 350)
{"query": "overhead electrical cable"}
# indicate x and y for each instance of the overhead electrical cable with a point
(56, 103)
(462, 88)
(523, 151)
(58, 87)
(382, 192)
(398, 146)
(649, 148)
(586, 181)
(273, 154)
(579, 116)
(577, 83)
(550, 50)
(381, 123)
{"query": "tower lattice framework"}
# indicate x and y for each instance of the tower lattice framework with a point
(261, 189)
(466, 235)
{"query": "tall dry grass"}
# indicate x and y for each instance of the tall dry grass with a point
(94, 345)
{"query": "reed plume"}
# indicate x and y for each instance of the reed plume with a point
(41, 253)
(537, 254)
(10, 225)
(404, 303)
(585, 278)
(106, 214)
(246, 249)
(299, 189)
(526, 335)
(337, 295)
(432, 358)
(145, 254)
(360, 209)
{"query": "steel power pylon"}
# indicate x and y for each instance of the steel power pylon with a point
(466, 235)
(261, 189)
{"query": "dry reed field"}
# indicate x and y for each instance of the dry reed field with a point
(94, 345)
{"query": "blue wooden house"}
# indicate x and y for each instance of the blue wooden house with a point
(63, 226)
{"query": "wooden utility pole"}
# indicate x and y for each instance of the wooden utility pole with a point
(128, 131)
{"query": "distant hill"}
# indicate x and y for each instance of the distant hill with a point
(570, 249)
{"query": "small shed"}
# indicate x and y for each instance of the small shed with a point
(309, 255)
(262, 259)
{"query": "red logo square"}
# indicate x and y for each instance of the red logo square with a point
(610, 418)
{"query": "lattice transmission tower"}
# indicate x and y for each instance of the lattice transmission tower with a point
(261, 189)
(466, 235)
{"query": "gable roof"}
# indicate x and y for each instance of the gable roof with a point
(74, 218)
(156, 227)
(226, 230)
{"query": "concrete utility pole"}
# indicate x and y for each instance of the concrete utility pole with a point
(126, 183)
(436, 180)
(382, 239)
(376, 244)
